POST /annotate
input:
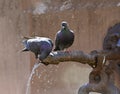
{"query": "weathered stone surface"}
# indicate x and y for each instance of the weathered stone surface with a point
(90, 20)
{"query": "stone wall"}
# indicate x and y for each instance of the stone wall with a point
(90, 24)
(89, 20)
(14, 65)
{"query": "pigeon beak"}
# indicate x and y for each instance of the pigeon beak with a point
(25, 49)
(118, 43)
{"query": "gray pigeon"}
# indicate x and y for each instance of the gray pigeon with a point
(40, 46)
(64, 37)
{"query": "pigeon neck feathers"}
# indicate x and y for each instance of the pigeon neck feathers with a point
(65, 29)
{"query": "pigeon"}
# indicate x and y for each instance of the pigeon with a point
(118, 43)
(64, 37)
(40, 46)
(111, 41)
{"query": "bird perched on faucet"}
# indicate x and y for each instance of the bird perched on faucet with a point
(40, 46)
(64, 37)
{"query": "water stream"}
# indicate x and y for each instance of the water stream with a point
(36, 65)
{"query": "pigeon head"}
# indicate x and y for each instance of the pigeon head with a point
(26, 47)
(64, 24)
